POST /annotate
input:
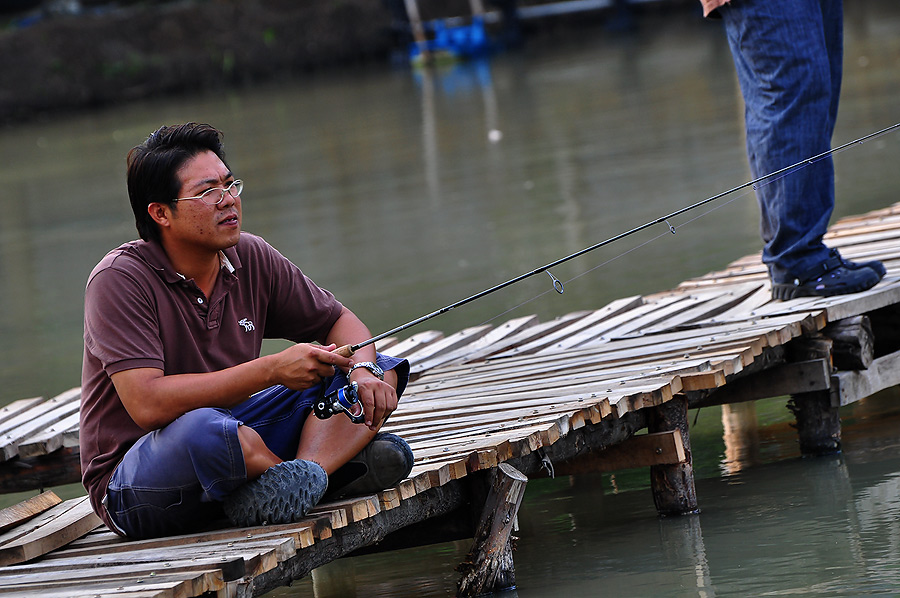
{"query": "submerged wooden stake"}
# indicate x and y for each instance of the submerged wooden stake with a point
(489, 566)
(673, 487)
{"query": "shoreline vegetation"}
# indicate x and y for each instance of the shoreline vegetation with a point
(64, 56)
(63, 62)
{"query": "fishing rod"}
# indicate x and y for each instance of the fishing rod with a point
(349, 350)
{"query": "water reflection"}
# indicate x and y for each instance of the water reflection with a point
(740, 431)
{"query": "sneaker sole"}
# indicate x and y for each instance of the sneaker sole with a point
(284, 493)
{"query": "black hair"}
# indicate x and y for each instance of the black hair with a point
(152, 168)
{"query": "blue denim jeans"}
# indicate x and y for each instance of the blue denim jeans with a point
(173, 479)
(788, 58)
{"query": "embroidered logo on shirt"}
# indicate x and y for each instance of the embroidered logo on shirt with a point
(247, 324)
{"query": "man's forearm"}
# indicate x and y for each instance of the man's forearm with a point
(154, 400)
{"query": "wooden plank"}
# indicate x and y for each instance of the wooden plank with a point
(20, 513)
(644, 450)
(512, 344)
(597, 361)
(851, 386)
(50, 439)
(16, 408)
(715, 304)
(178, 585)
(415, 342)
(518, 402)
(61, 467)
(482, 346)
(41, 579)
(258, 556)
(589, 328)
(614, 311)
(784, 328)
(454, 341)
(25, 424)
(55, 528)
(302, 532)
(781, 380)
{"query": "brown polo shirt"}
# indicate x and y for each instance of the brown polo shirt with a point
(139, 312)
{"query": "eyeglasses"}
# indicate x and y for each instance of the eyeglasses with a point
(213, 197)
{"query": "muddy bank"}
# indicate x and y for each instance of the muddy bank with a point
(75, 62)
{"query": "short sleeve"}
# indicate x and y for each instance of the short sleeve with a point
(120, 323)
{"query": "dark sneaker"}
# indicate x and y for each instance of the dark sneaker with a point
(384, 463)
(284, 493)
(839, 280)
(874, 265)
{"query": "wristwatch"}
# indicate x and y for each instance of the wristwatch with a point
(372, 367)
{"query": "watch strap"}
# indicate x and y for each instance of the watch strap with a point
(371, 366)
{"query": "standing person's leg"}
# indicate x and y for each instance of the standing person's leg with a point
(788, 63)
(785, 77)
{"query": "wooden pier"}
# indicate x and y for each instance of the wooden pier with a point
(573, 394)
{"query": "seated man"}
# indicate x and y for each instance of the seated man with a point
(181, 417)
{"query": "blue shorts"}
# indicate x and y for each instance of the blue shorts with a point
(173, 479)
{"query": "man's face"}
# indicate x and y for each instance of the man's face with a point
(196, 223)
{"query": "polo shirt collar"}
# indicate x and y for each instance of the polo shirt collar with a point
(154, 254)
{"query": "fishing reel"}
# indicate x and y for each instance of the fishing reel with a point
(344, 399)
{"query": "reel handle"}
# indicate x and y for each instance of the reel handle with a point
(345, 351)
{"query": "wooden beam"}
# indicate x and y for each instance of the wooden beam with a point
(659, 448)
(777, 381)
(854, 344)
(883, 372)
(60, 467)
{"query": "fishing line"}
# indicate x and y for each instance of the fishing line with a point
(559, 286)
(671, 230)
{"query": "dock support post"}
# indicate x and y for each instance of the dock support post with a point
(673, 487)
(818, 423)
(818, 417)
(489, 565)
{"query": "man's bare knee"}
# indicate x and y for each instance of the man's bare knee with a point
(257, 456)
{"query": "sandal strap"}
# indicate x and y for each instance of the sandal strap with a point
(834, 261)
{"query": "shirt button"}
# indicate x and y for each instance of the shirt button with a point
(199, 299)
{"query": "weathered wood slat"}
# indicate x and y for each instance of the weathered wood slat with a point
(303, 533)
(712, 305)
(56, 436)
(15, 409)
(415, 342)
(55, 528)
(587, 328)
(29, 422)
(20, 513)
(475, 349)
(454, 341)
(162, 586)
(532, 333)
